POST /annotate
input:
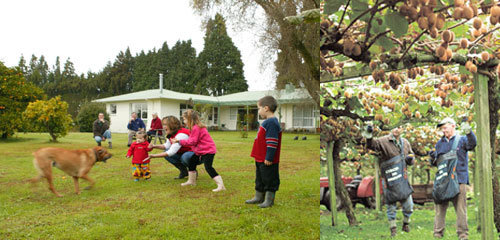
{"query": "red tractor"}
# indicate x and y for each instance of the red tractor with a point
(361, 190)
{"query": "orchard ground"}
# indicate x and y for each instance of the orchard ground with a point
(119, 208)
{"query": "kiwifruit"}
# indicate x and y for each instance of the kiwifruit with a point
(468, 13)
(449, 54)
(446, 35)
(457, 14)
(464, 90)
(373, 65)
(485, 56)
(468, 64)
(463, 78)
(498, 69)
(483, 30)
(447, 76)
(493, 20)
(325, 24)
(440, 21)
(347, 94)
(476, 33)
(473, 68)
(378, 117)
(464, 43)
(440, 51)
(417, 114)
(477, 23)
(356, 50)
(404, 10)
(424, 2)
(431, 19)
(433, 32)
(412, 13)
(471, 89)
(432, 3)
(431, 69)
(471, 99)
(459, 3)
(423, 23)
(348, 47)
(474, 9)
(495, 11)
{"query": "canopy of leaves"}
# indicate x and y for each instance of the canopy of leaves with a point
(49, 116)
(15, 95)
(88, 114)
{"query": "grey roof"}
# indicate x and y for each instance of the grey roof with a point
(243, 98)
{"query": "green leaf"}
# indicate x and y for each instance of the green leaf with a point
(359, 7)
(384, 42)
(378, 25)
(461, 31)
(462, 70)
(424, 108)
(331, 6)
(396, 23)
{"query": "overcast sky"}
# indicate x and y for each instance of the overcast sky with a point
(92, 32)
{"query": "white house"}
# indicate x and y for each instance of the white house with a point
(296, 109)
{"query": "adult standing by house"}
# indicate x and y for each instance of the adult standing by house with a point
(174, 153)
(134, 125)
(395, 153)
(454, 147)
(155, 125)
(101, 131)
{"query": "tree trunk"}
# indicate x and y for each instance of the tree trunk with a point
(494, 107)
(4, 135)
(340, 189)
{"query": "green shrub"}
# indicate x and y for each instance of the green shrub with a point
(88, 114)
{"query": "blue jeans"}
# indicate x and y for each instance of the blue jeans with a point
(180, 158)
(407, 209)
(106, 134)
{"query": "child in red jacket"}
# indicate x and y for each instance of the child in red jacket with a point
(139, 150)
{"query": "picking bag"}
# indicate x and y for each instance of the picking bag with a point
(395, 178)
(446, 185)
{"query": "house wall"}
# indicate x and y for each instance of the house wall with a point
(119, 120)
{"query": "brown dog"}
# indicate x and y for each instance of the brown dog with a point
(76, 163)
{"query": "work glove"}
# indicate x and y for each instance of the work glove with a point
(466, 129)
(368, 132)
(410, 159)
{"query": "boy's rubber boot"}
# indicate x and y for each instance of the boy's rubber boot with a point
(258, 198)
(99, 144)
(110, 145)
(191, 179)
(220, 184)
(183, 171)
(268, 201)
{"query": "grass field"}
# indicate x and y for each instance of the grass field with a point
(374, 225)
(118, 208)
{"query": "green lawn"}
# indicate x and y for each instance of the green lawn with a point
(374, 225)
(118, 208)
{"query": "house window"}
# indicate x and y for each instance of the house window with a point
(303, 116)
(142, 111)
(216, 114)
(233, 113)
(112, 108)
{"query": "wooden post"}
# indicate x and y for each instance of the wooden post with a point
(331, 182)
(377, 187)
(476, 193)
(483, 156)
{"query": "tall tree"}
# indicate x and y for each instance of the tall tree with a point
(22, 65)
(180, 75)
(121, 73)
(297, 44)
(221, 68)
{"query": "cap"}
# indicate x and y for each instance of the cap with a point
(445, 121)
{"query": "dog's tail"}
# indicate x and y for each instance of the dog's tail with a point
(40, 172)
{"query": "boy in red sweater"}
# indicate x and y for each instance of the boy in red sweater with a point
(139, 150)
(266, 151)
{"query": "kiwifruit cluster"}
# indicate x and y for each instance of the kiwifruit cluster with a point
(378, 75)
(495, 15)
(467, 89)
(443, 52)
(415, 94)
(331, 66)
(413, 72)
(463, 11)
(395, 80)
(471, 67)
(438, 70)
(406, 110)
(351, 48)
(422, 11)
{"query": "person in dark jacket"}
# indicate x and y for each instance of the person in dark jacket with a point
(101, 130)
(466, 143)
(388, 147)
(134, 125)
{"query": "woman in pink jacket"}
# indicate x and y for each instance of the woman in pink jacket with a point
(203, 147)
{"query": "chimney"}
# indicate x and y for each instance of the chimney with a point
(161, 82)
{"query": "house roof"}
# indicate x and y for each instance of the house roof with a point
(242, 98)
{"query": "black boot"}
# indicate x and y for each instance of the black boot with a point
(269, 200)
(183, 171)
(394, 231)
(99, 144)
(259, 198)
